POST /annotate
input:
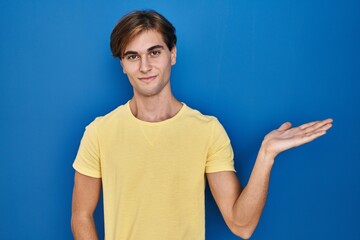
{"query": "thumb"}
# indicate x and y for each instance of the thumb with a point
(285, 126)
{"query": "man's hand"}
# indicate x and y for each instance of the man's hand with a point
(286, 137)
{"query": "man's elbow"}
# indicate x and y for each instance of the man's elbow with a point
(244, 232)
(79, 221)
(74, 223)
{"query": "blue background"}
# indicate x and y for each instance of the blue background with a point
(253, 64)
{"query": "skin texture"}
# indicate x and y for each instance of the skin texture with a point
(85, 198)
(148, 63)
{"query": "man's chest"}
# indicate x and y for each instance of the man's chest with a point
(156, 154)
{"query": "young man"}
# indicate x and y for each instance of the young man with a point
(151, 156)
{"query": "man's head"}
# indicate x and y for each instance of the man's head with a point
(145, 42)
(134, 23)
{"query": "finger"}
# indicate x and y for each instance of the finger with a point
(321, 125)
(326, 127)
(326, 121)
(312, 136)
(308, 137)
(285, 126)
(315, 123)
(306, 125)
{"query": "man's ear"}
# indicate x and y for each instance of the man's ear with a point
(122, 65)
(173, 55)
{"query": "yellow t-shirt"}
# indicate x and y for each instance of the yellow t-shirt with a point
(153, 174)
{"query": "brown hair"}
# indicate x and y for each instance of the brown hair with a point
(135, 23)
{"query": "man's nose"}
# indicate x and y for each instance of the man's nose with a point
(145, 64)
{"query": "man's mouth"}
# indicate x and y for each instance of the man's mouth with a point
(147, 79)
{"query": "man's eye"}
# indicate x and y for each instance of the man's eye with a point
(132, 57)
(155, 53)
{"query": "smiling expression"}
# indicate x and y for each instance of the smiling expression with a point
(147, 61)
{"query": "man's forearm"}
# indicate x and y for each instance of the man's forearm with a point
(83, 228)
(250, 204)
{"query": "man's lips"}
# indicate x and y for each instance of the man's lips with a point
(147, 79)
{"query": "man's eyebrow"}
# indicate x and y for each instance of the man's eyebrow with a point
(155, 47)
(149, 50)
(129, 53)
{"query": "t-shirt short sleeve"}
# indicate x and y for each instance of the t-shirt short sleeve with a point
(87, 160)
(220, 155)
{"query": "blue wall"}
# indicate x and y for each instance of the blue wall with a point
(253, 64)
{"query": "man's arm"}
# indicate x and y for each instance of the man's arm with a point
(242, 208)
(85, 198)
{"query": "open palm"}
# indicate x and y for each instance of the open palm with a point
(285, 137)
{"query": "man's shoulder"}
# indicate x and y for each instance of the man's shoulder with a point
(198, 117)
(113, 116)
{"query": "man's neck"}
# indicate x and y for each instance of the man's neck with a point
(154, 109)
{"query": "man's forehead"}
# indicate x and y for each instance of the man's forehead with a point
(145, 40)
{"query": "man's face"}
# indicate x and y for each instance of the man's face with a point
(147, 62)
